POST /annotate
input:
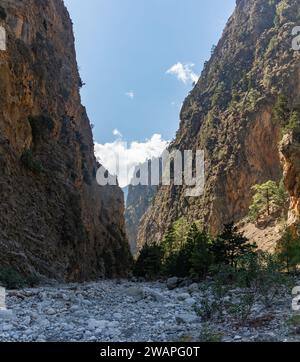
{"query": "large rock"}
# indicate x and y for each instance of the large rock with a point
(172, 283)
(135, 292)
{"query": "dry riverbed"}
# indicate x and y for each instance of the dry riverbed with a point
(131, 311)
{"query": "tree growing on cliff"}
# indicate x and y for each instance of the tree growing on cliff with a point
(281, 110)
(268, 198)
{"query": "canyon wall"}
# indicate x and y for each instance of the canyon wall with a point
(55, 221)
(229, 114)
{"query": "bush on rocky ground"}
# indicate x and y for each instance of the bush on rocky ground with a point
(11, 279)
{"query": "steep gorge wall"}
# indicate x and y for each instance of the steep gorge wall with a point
(229, 115)
(54, 218)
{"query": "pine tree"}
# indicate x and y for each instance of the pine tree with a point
(268, 196)
(201, 256)
(149, 262)
(230, 245)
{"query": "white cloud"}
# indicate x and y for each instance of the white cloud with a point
(129, 155)
(130, 94)
(184, 72)
(117, 133)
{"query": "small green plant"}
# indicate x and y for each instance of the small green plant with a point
(30, 162)
(11, 279)
(208, 335)
(242, 311)
(208, 310)
(294, 321)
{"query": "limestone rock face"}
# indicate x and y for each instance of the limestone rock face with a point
(138, 201)
(54, 218)
(290, 151)
(229, 115)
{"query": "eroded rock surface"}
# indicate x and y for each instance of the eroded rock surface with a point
(229, 114)
(55, 220)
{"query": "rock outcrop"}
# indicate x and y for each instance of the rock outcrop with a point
(229, 115)
(54, 219)
(290, 151)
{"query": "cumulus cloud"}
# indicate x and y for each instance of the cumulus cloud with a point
(130, 94)
(117, 133)
(129, 155)
(184, 72)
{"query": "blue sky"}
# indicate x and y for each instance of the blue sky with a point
(124, 51)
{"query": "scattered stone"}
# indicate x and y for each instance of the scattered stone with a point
(56, 314)
(50, 311)
(193, 288)
(172, 283)
(95, 324)
(117, 316)
(183, 296)
(6, 314)
(186, 318)
(136, 293)
(190, 301)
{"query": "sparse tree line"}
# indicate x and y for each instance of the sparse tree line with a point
(189, 251)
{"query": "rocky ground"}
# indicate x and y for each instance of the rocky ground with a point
(131, 311)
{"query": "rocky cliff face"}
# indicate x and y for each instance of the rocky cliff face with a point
(54, 218)
(138, 201)
(229, 115)
(290, 151)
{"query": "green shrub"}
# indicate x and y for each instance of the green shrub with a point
(11, 279)
(261, 272)
(287, 118)
(241, 312)
(293, 123)
(30, 162)
(281, 111)
(207, 335)
(288, 251)
(3, 14)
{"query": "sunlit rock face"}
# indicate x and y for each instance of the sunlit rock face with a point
(290, 150)
(229, 114)
(54, 219)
